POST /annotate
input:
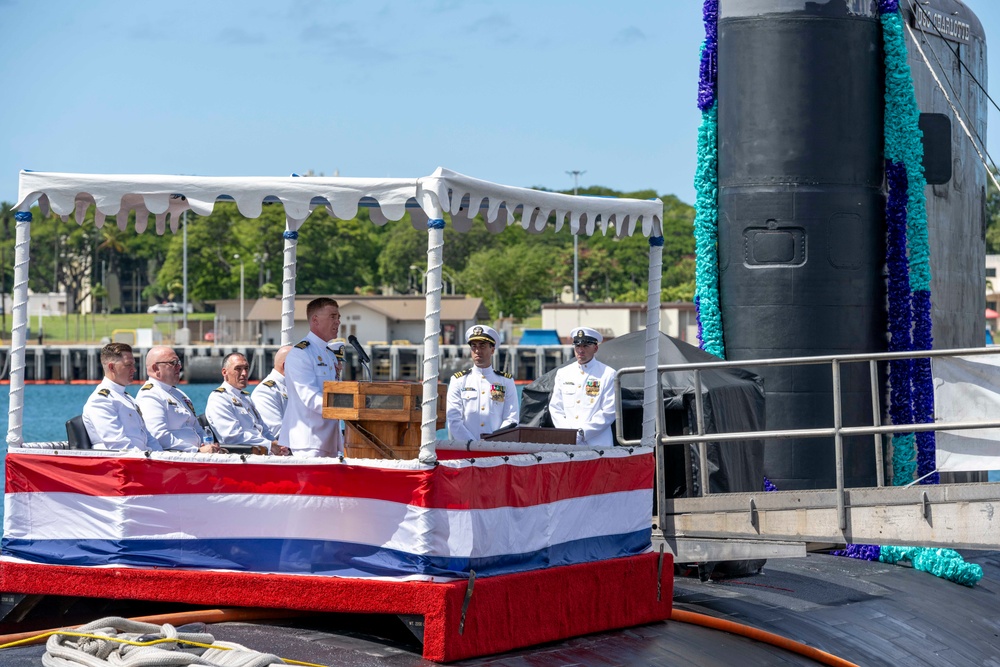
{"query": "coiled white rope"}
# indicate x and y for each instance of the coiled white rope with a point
(125, 643)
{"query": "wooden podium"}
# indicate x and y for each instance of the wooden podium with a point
(549, 436)
(381, 419)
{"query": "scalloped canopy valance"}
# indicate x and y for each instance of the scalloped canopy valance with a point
(444, 191)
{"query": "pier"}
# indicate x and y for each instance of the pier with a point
(69, 364)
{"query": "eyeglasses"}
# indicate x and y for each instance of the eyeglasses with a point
(175, 363)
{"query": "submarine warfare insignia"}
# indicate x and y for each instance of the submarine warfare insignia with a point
(593, 387)
(497, 392)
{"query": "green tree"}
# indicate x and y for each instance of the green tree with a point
(511, 281)
(992, 216)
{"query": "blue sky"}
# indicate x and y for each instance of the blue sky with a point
(517, 92)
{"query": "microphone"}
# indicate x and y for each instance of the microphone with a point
(353, 340)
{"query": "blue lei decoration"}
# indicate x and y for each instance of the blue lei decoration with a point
(706, 183)
(911, 385)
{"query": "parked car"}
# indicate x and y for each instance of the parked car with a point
(166, 307)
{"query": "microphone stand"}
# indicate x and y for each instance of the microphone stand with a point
(362, 355)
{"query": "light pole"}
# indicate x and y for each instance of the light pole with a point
(237, 256)
(576, 244)
(184, 272)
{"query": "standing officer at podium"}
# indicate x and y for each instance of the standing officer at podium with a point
(583, 396)
(481, 400)
(309, 364)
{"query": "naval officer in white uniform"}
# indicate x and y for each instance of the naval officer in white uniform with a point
(583, 396)
(481, 400)
(310, 363)
(111, 416)
(167, 411)
(232, 414)
(270, 397)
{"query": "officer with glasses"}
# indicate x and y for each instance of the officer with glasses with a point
(167, 411)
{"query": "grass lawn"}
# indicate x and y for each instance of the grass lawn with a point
(92, 328)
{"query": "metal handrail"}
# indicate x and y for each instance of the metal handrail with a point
(838, 431)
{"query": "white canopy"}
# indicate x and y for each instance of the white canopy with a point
(427, 199)
(165, 197)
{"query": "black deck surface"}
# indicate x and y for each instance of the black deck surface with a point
(868, 613)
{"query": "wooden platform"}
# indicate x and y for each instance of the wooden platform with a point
(460, 619)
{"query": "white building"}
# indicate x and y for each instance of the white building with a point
(373, 319)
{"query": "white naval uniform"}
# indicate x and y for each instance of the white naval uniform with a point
(583, 398)
(303, 430)
(170, 416)
(270, 399)
(113, 420)
(480, 400)
(234, 418)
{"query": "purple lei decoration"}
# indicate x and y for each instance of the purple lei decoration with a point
(860, 551)
(898, 295)
(888, 6)
(708, 70)
(923, 389)
(769, 485)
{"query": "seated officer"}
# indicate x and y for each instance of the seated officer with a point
(583, 394)
(111, 416)
(167, 411)
(232, 414)
(270, 397)
(481, 400)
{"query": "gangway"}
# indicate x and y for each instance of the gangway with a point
(773, 524)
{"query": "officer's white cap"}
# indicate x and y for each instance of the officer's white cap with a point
(481, 332)
(337, 347)
(585, 335)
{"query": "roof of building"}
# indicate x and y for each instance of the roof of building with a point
(623, 305)
(453, 308)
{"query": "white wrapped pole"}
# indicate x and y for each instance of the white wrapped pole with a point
(432, 329)
(652, 394)
(291, 237)
(19, 333)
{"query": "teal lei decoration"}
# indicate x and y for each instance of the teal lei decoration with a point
(706, 235)
(903, 147)
(706, 184)
(945, 563)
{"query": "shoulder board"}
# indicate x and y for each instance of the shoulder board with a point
(220, 390)
(505, 375)
(461, 373)
(302, 344)
(104, 391)
(148, 385)
(268, 383)
(244, 392)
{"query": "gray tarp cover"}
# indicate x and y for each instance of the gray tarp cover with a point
(733, 401)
